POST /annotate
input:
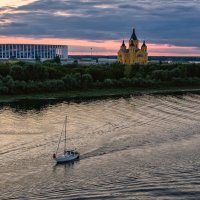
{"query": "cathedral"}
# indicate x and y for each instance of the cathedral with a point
(133, 55)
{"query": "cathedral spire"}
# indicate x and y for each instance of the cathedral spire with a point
(144, 47)
(133, 36)
(123, 45)
(144, 44)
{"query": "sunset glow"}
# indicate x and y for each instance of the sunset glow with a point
(107, 47)
(101, 25)
(15, 3)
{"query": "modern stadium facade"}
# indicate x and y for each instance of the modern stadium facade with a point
(32, 51)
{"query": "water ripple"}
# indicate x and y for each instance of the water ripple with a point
(143, 147)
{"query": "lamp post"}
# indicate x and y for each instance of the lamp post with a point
(91, 54)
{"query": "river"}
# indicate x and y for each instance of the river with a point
(143, 147)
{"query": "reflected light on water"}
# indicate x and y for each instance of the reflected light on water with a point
(146, 147)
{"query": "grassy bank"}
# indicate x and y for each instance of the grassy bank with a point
(100, 93)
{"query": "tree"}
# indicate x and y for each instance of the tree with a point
(108, 82)
(5, 69)
(9, 83)
(35, 72)
(17, 72)
(86, 80)
(57, 59)
(70, 82)
(20, 86)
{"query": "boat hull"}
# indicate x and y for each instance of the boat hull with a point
(66, 158)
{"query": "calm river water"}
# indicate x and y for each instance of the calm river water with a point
(145, 147)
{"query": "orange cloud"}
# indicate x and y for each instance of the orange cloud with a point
(15, 3)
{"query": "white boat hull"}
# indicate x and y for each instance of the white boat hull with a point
(67, 157)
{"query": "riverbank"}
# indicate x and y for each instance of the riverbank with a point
(99, 94)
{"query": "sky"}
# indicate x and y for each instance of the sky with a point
(169, 27)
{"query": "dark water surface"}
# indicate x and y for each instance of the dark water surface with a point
(138, 148)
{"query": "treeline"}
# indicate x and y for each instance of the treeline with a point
(22, 77)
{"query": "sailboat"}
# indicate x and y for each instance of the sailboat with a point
(68, 154)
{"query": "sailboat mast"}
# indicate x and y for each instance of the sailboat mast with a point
(65, 131)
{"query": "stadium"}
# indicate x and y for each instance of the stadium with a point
(32, 51)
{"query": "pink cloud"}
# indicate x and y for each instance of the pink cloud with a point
(107, 47)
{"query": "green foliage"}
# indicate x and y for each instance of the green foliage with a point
(126, 82)
(22, 77)
(86, 80)
(71, 82)
(162, 75)
(17, 72)
(53, 85)
(55, 72)
(108, 82)
(57, 60)
(20, 86)
(128, 70)
(35, 72)
(98, 73)
(37, 59)
(5, 69)
(8, 83)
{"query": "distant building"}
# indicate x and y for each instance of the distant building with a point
(32, 51)
(106, 60)
(133, 55)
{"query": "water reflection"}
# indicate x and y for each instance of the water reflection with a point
(144, 147)
(65, 165)
(23, 106)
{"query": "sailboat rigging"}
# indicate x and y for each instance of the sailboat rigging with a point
(68, 155)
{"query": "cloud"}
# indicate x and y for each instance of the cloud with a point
(159, 22)
(15, 3)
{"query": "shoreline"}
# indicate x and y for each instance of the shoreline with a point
(95, 94)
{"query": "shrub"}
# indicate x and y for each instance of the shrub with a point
(71, 82)
(17, 72)
(108, 82)
(87, 80)
(4, 69)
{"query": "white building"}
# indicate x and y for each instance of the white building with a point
(32, 51)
